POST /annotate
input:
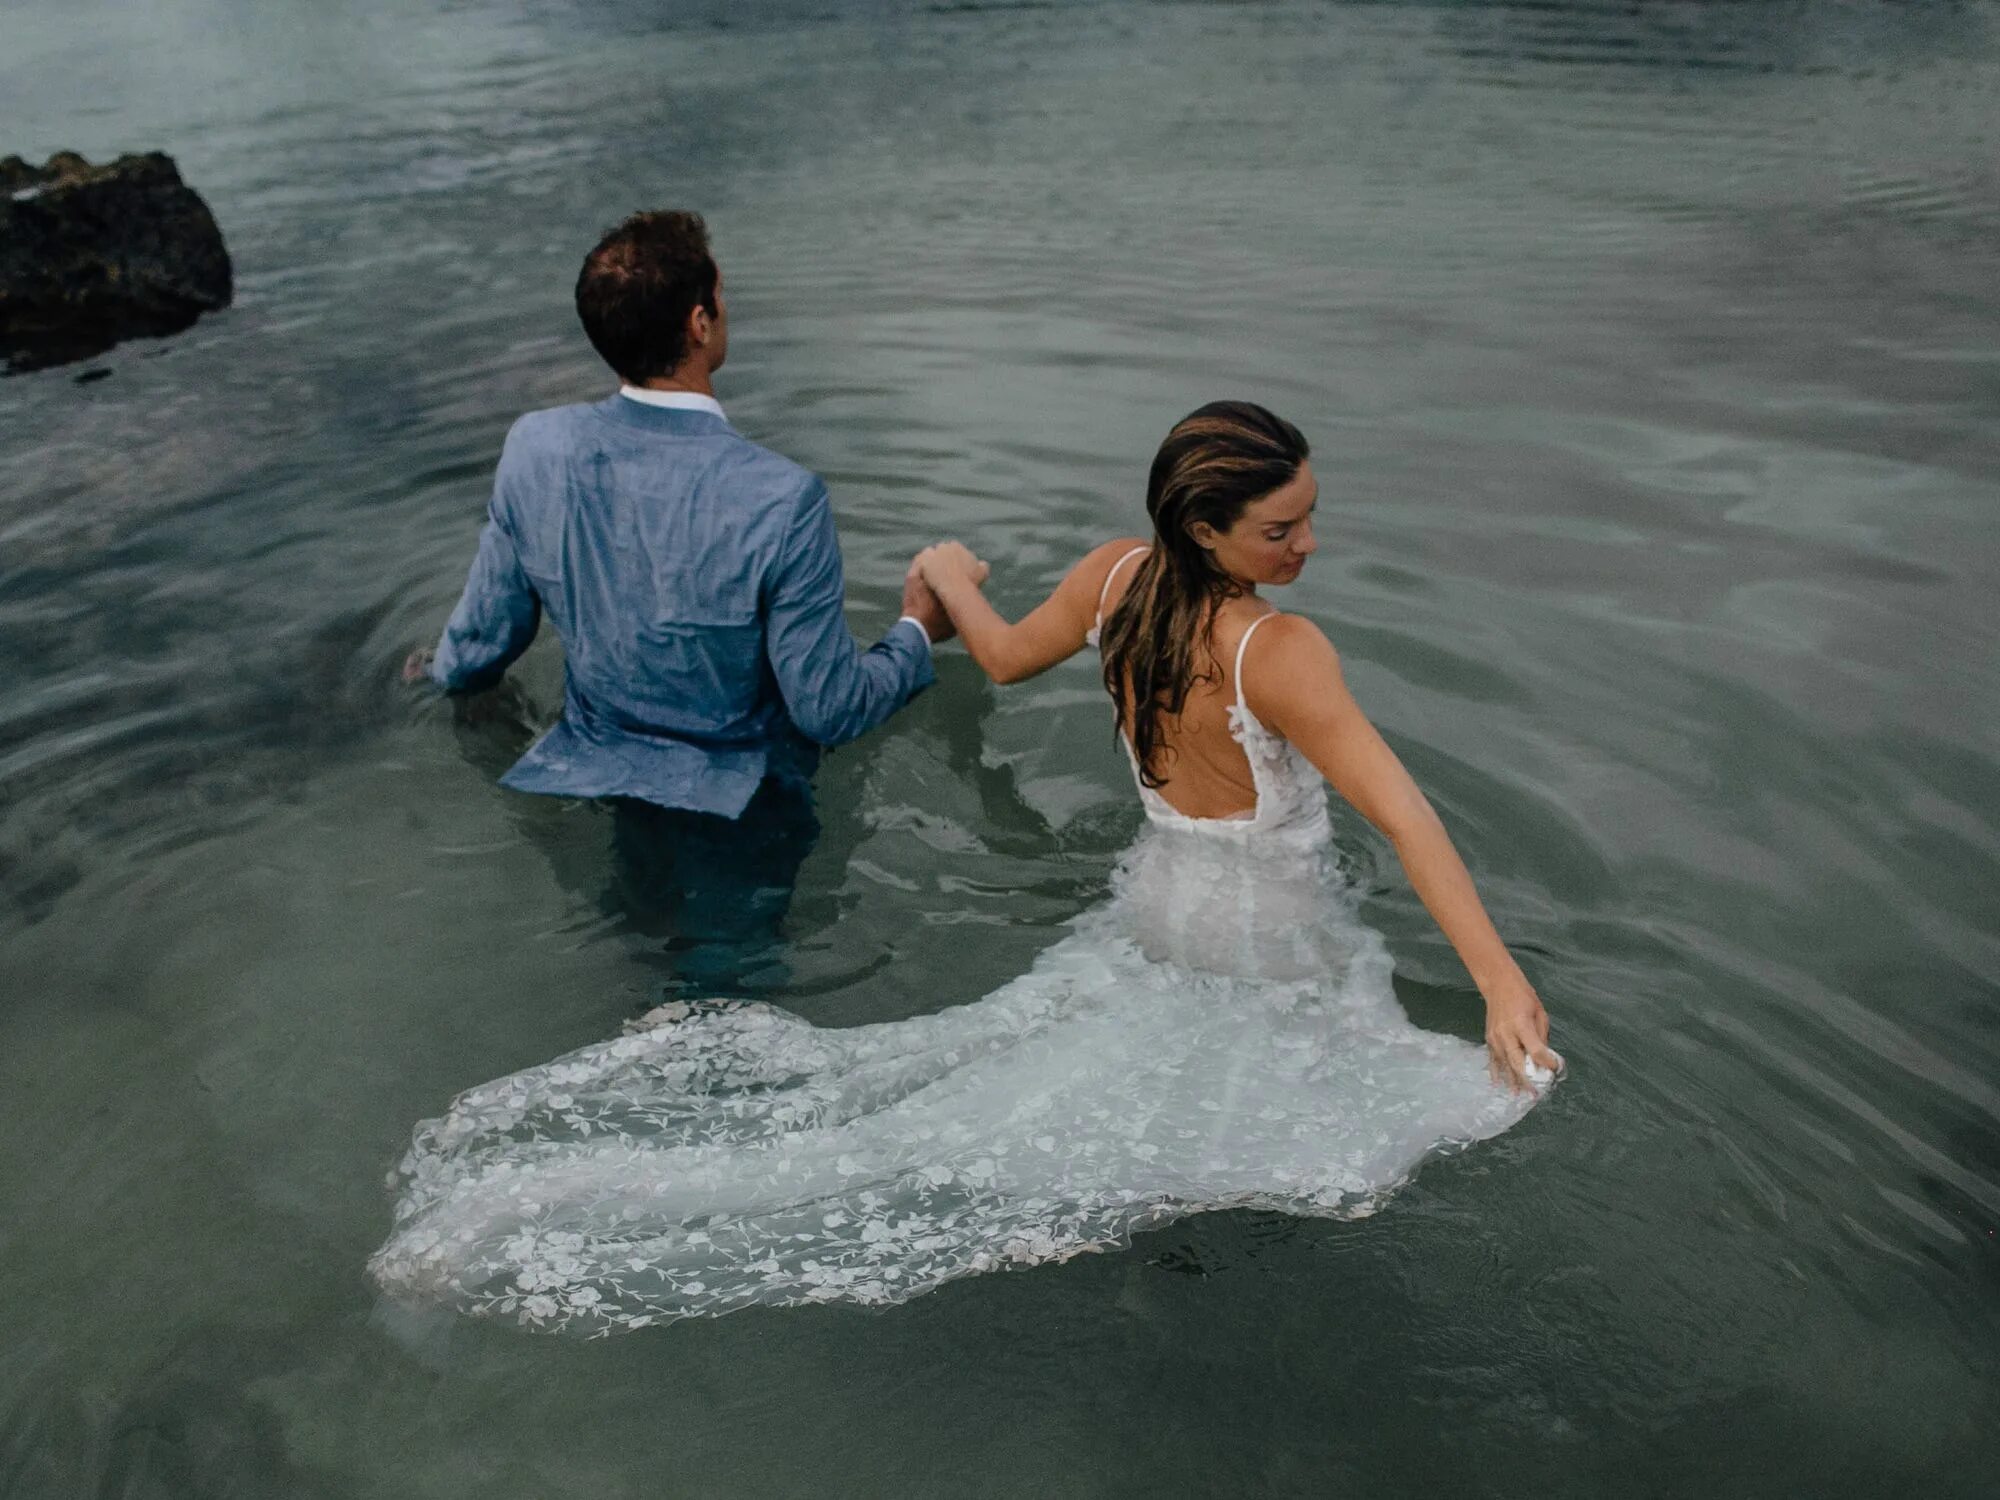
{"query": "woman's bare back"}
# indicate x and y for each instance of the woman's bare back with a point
(1206, 773)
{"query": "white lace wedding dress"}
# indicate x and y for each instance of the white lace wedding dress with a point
(1220, 1034)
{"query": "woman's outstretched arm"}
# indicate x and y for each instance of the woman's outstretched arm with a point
(1293, 683)
(1053, 631)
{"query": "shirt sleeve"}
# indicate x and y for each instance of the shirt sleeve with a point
(497, 615)
(834, 691)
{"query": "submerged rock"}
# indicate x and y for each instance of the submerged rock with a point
(90, 256)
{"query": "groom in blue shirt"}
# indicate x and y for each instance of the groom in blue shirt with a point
(695, 581)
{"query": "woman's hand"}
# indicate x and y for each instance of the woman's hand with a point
(949, 563)
(1517, 1036)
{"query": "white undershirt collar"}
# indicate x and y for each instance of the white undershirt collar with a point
(678, 400)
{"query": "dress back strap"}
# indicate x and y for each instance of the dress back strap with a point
(1241, 647)
(1105, 592)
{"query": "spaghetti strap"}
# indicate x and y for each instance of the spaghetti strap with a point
(1105, 592)
(1241, 646)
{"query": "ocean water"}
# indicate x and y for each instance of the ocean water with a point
(1651, 356)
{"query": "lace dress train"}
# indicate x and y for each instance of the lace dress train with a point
(1221, 1033)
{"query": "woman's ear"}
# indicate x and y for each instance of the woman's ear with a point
(1205, 536)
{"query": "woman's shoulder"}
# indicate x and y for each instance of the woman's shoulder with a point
(1284, 656)
(1288, 638)
(1101, 559)
(1092, 574)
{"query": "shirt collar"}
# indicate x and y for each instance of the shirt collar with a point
(677, 400)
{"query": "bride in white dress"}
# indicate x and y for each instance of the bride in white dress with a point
(1221, 1033)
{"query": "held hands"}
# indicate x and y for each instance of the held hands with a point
(1517, 1036)
(933, 570)
(947, 563)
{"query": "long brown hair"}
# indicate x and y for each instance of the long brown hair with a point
(1216, 461)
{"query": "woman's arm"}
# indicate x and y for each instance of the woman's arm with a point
(1294, 684)
(1053, 631)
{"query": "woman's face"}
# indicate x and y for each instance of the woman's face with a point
(1272, 539)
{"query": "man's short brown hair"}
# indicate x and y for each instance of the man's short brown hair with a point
(639, 285)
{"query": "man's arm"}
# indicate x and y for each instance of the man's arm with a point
(496, 618)
(834, 691)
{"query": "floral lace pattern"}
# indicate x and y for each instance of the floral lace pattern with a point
(718, 1158)
(1222, 1033)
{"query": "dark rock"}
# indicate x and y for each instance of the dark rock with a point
(90, 256)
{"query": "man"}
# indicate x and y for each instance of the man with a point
(695, 581)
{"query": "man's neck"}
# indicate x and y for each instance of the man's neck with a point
(690, 378)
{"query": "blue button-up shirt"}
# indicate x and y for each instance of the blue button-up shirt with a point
(695, 581)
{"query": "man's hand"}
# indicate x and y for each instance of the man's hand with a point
(923, 606)
(417, 666)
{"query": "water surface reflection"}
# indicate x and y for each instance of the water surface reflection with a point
(1650, 352)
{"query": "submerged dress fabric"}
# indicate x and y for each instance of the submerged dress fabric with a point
(1221, 1033)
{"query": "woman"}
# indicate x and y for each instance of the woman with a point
(1221, 1033)
(1200, 712)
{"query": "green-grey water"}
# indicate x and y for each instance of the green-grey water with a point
(1651, 356)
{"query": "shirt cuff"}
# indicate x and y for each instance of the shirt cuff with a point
(923, 633)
